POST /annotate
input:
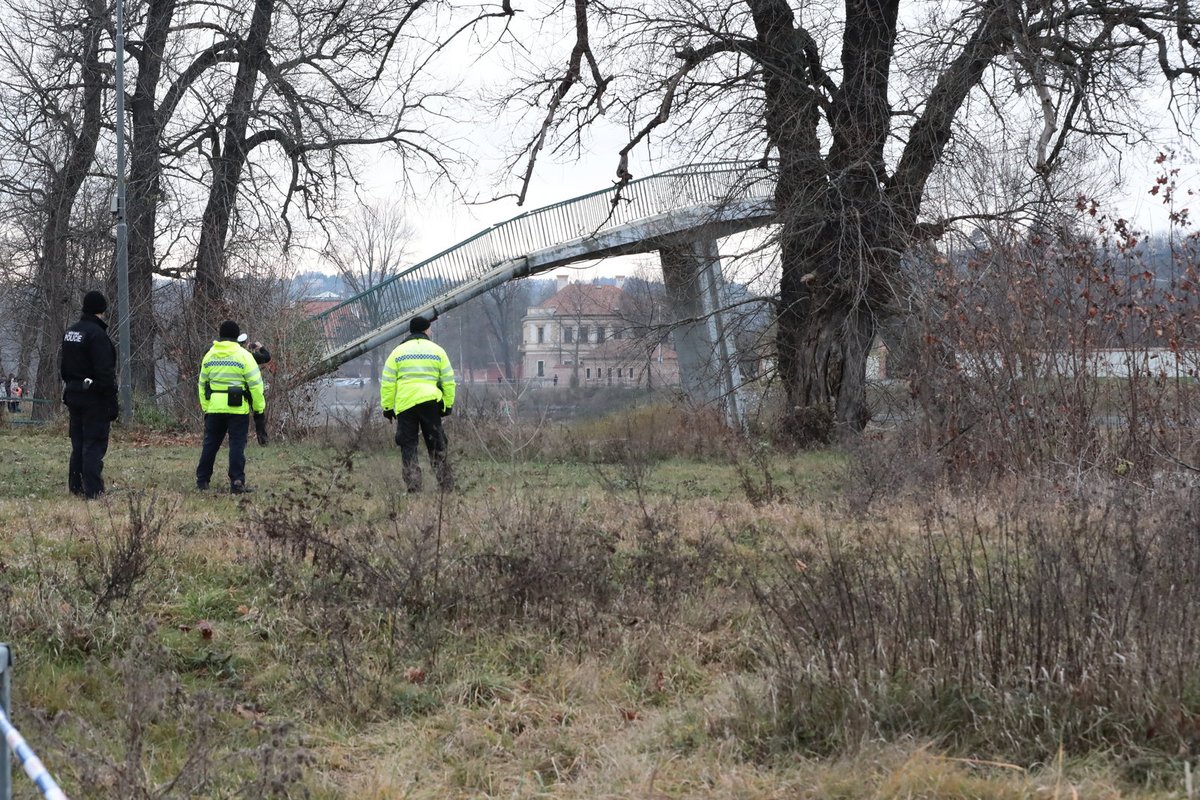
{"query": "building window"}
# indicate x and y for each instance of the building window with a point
(618, 333)
(619, 375)
(568, 335)
(541, 367)
(541, 335)
(599, 334)
(583, 333)
(589, 373)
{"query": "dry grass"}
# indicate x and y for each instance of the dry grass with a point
(591, 634)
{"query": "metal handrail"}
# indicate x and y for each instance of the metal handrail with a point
(26, 416)
(13, 744)
(471, 260)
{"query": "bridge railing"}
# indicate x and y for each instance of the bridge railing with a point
(471, 260)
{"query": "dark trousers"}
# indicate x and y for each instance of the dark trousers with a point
(89, 429)
(215, 428)
(423, 419)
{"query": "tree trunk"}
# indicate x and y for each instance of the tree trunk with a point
(834, 219)
(227, 167)
(825, 374)
(57, 297)
(30, 331)
(145, 177)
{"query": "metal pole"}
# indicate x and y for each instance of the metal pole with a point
(123, 355)
(6, 707)
(712, 284)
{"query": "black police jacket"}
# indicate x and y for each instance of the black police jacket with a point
(87, 352)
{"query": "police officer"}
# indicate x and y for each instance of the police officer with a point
(417, 390)
(88, 367)
(230, 388)
(261, 354)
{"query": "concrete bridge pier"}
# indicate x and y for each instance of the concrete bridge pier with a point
(695, 287)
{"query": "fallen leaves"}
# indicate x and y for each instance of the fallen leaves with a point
(249, 711)
(203, 626)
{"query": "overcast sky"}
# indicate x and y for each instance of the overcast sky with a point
(440, 219)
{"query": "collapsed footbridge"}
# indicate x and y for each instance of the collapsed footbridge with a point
(680, 213)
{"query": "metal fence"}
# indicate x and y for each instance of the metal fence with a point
(5, 701)
(470, 261)
(13, 744)
(24, 411)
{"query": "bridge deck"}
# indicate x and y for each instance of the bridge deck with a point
(719, 199)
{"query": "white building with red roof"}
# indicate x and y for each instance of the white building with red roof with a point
(591, 334)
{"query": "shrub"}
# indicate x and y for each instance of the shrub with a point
(1007, 630)
(1053, 353)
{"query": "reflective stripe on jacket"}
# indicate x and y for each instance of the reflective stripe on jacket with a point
(228, 365)
(417, 371)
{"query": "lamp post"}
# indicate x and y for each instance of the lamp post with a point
(125, 378)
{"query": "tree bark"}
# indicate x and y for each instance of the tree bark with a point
(834, 217)
(56, 295)
(143, 192)
(227, 166)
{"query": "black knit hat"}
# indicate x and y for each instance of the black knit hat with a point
(418, 325)
(229, 330)
(94, 303)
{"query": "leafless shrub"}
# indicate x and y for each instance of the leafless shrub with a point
(892, 467)
(123, 756)
(379, 595)
(81, 607)
(549, 564)
(757, 478)
(805, 427)
(657, 432)
(361, 430)
(1009, 628)
(1056, 353)
(116, 562)
(496, 429)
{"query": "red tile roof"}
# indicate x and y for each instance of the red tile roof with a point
(586, 299)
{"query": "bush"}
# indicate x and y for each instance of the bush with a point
(373, 597)
(1055, 353)
(1008, 629)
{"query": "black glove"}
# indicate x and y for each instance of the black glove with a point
(445, 412)
(260, 428)
(388, 414)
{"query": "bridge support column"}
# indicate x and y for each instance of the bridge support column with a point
(707, 359)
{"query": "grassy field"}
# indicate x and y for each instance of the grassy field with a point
(558, 627)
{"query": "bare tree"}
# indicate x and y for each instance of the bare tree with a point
(316, 80)
(250, 112)
(54, 84)
(857, 105)
(159, 43)
(368, 247)
(503, 307)
(645, 323)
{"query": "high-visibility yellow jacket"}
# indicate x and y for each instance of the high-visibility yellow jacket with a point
(417, 371)
(227, 365)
